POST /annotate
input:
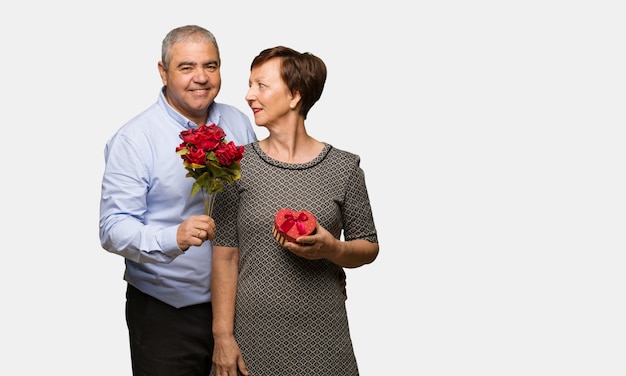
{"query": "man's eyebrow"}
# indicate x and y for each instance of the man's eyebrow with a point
(185, 63)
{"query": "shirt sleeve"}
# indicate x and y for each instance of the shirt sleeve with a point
(123, 207)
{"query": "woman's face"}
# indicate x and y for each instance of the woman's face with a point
(268, 95)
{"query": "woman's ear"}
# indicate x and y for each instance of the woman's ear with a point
(295, 99)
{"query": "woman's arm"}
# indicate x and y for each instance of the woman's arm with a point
(227, 355)
(322, 244)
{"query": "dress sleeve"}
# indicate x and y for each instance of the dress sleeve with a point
(225, 216)
(357, 211)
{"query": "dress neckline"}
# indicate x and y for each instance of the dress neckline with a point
(293, 166)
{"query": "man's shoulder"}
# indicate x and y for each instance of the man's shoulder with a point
(142, 123)
(227, 110)
(234, 122)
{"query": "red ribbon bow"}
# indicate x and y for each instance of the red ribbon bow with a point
(291, 220)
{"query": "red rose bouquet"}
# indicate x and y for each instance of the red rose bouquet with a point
(210, 160)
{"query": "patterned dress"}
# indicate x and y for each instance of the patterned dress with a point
(290, 316)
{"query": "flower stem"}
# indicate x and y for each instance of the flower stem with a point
(209, 201)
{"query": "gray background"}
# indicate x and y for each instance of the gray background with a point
(491, 137)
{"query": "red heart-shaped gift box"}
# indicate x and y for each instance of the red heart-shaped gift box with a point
(290, 225)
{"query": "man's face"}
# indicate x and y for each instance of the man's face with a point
(193, 79)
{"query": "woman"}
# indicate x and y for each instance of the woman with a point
(280, 310)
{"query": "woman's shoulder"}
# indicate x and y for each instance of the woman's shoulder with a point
(342, 154)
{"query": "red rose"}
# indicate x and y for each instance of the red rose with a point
(229, 153)
(196, 156)
(209, 137)
(209, 159)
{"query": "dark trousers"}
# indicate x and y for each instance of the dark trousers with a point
(168, 341)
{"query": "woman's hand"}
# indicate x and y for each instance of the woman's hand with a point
(322, 244)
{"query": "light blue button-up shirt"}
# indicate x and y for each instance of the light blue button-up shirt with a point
(146, 195)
